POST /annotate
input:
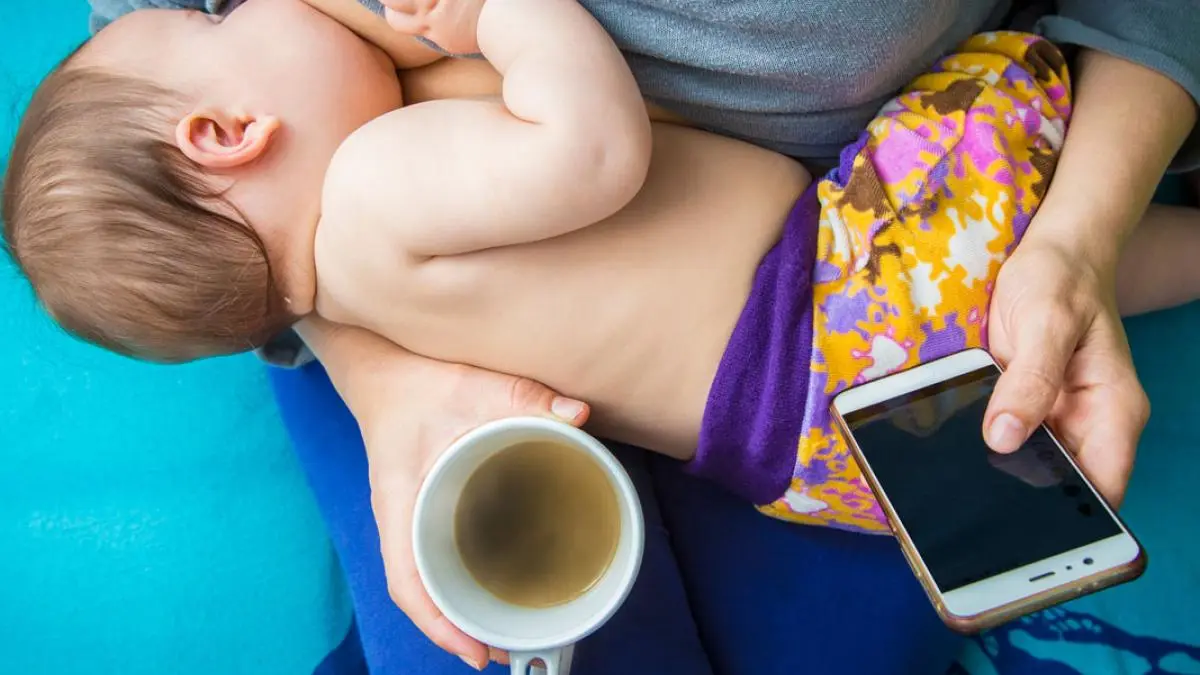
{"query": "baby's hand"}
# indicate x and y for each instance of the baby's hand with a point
(450, 24)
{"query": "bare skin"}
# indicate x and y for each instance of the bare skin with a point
(684, 252)
(398, 254)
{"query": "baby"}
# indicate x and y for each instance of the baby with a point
(186, 186)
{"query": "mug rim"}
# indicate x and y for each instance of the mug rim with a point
(628, 497)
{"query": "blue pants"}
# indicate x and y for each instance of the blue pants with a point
(723, 589)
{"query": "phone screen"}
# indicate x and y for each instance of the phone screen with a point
(973, 513)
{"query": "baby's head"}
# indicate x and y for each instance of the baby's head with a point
(164, 187)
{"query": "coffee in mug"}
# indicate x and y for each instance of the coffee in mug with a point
(537, 524)
(528, 535)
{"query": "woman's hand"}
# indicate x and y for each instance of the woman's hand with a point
(1054, 322)
(1053, 317)
(410, 409)
(404, 433)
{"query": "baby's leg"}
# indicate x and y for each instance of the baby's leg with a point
(1160, 266)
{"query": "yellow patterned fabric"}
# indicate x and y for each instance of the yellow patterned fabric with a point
(914, 226)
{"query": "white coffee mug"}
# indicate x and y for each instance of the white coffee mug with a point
(548, 634)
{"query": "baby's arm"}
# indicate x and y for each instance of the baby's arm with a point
(568, 146)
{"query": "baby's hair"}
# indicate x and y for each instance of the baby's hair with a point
(128, 244)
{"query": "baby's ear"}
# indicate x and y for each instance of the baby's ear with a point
(221, 139)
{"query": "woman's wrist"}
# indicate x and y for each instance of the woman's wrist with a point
(1092, 239)
(360, 364)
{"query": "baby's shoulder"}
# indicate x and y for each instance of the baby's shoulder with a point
(369, 187)
(384, 144)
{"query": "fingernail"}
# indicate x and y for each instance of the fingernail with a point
(473, 663)
(566, 408)
(1006, 433)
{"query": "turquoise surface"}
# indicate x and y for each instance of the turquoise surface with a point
(152, 519)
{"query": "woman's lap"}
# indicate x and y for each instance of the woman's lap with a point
(720, 584)
(775, 597)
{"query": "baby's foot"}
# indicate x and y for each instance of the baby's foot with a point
(450, 24)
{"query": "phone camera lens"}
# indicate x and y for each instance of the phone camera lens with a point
(1087, 561)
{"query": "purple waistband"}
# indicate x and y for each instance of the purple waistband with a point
(755, 408)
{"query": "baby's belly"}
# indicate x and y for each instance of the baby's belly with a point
(632, 314)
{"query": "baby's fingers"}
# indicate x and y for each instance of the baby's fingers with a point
(405, 6)
(409, 23)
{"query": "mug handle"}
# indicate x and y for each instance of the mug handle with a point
(557, 660)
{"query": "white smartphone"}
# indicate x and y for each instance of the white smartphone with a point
(990, 536)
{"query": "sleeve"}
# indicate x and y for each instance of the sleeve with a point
(1158, 34)
(286, 350)
(105, 12)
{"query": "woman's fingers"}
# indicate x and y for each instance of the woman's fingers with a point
(1043, 343)
(1110, 446)
(407, 591)
(1104, 409)
(393, 496)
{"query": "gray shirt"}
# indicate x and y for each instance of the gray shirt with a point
(805, 76)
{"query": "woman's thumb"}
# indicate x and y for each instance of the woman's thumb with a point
(532, 398)
(1025, 394)
(569, 410)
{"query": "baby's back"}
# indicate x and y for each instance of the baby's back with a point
(631, 314)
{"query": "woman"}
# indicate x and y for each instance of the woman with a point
(1053, 321)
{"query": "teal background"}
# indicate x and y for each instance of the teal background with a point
(152, 519)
